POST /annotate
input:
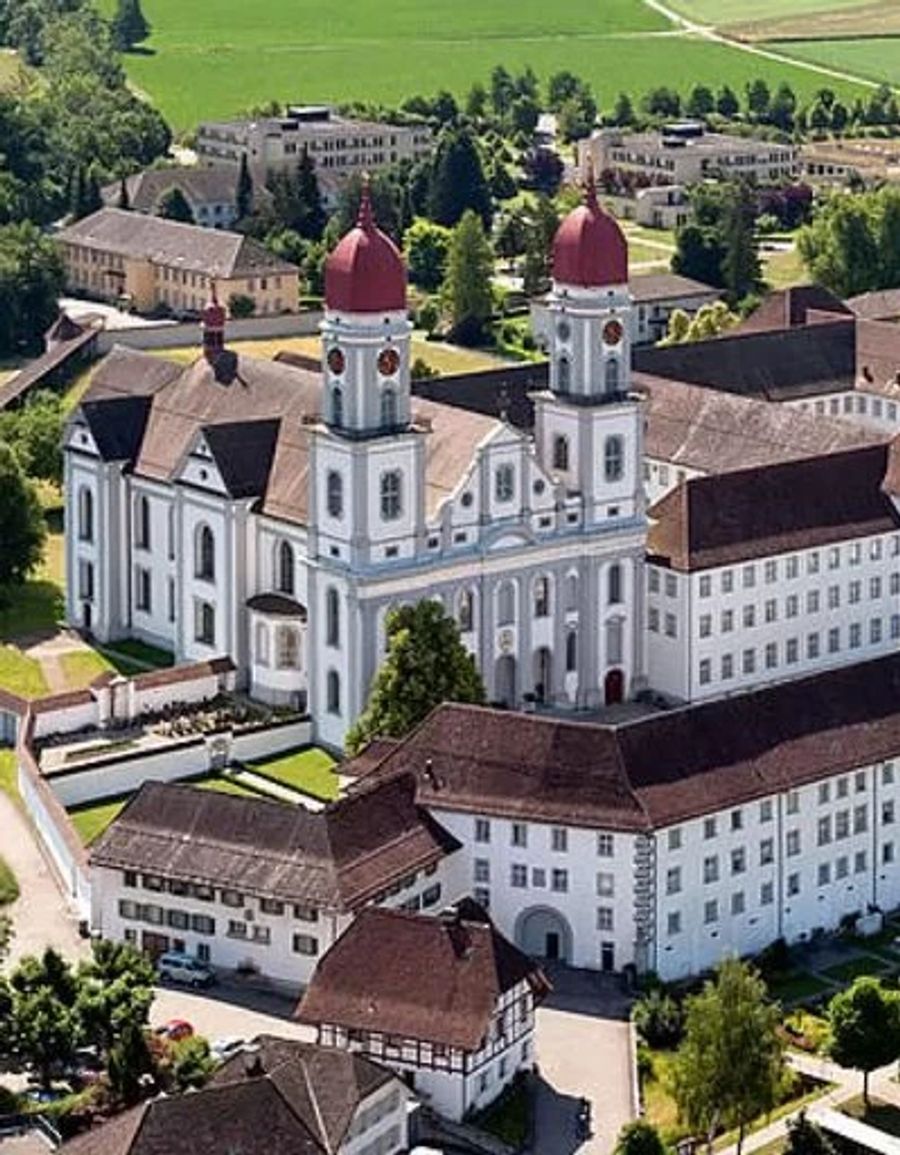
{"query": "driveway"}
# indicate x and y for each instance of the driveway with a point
(41, 916)
(583, 1050)
(228, 1010)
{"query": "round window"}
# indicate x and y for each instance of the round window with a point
(466, 499)
(612, 332)
(539, 486)
(388, 362)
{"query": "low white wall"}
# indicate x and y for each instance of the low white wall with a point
(272, 740)
(97, 780)
(155, 698)
(73, 874)
(178, 335)
(67, 719)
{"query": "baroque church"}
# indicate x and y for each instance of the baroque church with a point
(258, 510)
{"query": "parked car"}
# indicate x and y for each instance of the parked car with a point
(175, 1030)
(226, 1048)
(184, 968)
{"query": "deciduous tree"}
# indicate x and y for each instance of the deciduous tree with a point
(22, 529)
(427, 248)
(467, 286)
(640, 1138)
(865, 1027)
(426, 664)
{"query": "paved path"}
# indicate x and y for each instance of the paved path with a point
(41, 916)
(583, 1049)
(705, 32)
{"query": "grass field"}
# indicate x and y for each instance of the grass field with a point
(310, 770)
(724, 12)
(365, 50)
(870, 18)
(877, 58)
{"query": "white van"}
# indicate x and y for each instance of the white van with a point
(174, 967)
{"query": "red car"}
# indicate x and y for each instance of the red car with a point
(176, 1030)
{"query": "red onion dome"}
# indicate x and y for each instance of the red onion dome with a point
(590, 249)
(214, 314)
(365, 273)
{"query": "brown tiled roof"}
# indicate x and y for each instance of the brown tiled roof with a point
(200, 184)
(778, 365)
(716, 432)
(336, 858)
(189, 672)
(646, 288)
(418, 977)
(277, 605)
(756, 513)
(300, 1100)
(878, 358)
(663, 768)
(213, 252)
(883, 305)
(323, 1086)
(183, 402)
(795, 305)
(64, 701)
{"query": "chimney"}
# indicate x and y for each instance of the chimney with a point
(213, 327)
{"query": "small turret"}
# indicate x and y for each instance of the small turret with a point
(213, 326)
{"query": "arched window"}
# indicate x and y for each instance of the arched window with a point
(333, 692)
(541, 594)
(262, 644)
(571, 651)
(388, 407)
(391, 495)
(614, 458)
(506, 604)
(142, 522)
(614, 584)
(612, 375)
(561, 452)
(614, 641)
(563, 375)
(332, 617)
(286, 568)
(465, 611)
(205, 554)
(85, 514)
(572, 592)
(205, 623)
(337, 406)
(334, 486)
(287, 648)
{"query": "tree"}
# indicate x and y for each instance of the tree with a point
(662, 101)
(243, 197)
(467, 286)
(477, 102)
(639, 1138)
(783, 108)
(458, 182)
(806, 1138)
(192, 1064)
(427, 248)
(698, 253)
(129, 27)
(727, 104)
(128, 1063)
(43, 1030)
(22, 528)
(426, 664)
(124, 201)
(840, 248)
(115, 992)
(34, 433)
(658, 1019)
(865, 1027)
(173, 205)
(544, 170)
(623, 111)
(701, 102)
(729, 1067)
(540, 231)
(562, 86)
(310, 219)
(503, 91)
(741, 273)
(758, 99)
(240, 305)
(709, 321)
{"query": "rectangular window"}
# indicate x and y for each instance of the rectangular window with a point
(748, 577)
(671, 626)
(793, 843)
(305, 944)
(727, 581)
(748, 661)
(859, 862)
(841, 867)
(834, 597)
(765, 810)
(855, 639)
(711, 911)
(704, 672)
(237, 928)
(203, 924)
(481, 868)
(604, 918)
(823, 876)
(143, 590)
(749, 617)
(671, 586)
(518, 876)
(232, 898)
(791, 606)
(766, 894)
(559, 881)
(791, 651)
(727, 666)
(711, 868)
(504, 483)
(737, 902)
(271, 906)
(771, 572)
(673, 880)
(812, 601)
(709, 828)
(705, 586)
(538, 877)
(305, 913)
(834, 640)
(559, 839)
(705, 625)
(738, 860)
(823, 832)
(673, 922)
(793, 884)
(842, 824)
(482, 830)
(653, 581)
(793, 802)
(605, 845)
(812, 646)
(519, 834)
(770, 610)
(605, 884)
(766, 852)
(727, 622)
(860, 819)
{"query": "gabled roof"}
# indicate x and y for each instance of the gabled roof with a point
(795, 305)
(336, 858)
(661, 769)
(645, 288)
(297, 1098)
(243, 453)
(756, 513)
(213, 252)
(415, 976)
(717, 432)
(778, 365)
(200, 184)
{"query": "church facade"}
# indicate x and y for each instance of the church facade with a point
(255, 509)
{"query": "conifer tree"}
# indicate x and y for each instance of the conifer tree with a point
(129, 25)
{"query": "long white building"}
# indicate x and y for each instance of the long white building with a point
(668, 842)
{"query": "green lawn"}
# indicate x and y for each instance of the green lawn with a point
(852, 969)
(874, 57)
(640, 254)
(21, 675)
(91, 820)
(783, 269)
(304, 52)
(9, 887)
(310, 770)
(224, 785)
(721, 12)
(9, 775)
(797, 988)
(141, 653)
(82, 667)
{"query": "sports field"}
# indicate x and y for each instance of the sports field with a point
(214, 58)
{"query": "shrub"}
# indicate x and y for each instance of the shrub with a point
(659, 1019)
(240, 305)
(420, 369)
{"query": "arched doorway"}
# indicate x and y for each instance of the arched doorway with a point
(543, 674)
(613, 687)
(544, 933)
(505, 680)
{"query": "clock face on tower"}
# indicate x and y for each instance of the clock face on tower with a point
(336, 361)
(388, 362)
(612, 332)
